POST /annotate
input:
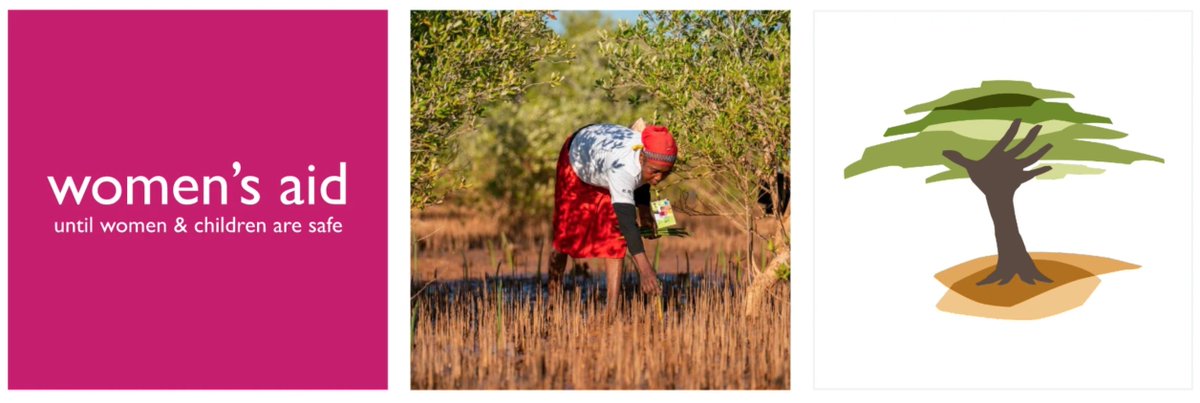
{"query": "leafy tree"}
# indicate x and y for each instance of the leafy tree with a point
(512, 159)
(721, 80)
(964, 132)
(462, 62)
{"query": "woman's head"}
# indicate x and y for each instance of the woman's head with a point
(658, 154)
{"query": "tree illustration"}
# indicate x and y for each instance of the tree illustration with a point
(964, 132)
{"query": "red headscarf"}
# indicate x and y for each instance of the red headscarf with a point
(659, 147)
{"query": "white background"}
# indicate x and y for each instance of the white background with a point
(802, 223)
(881, 236)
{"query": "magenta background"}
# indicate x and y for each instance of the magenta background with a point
(172, 93)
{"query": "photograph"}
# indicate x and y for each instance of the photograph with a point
(600, 200)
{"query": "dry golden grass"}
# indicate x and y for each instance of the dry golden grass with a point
(469, 336)
(477, 338)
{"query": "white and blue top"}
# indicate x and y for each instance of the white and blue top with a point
(606, 155)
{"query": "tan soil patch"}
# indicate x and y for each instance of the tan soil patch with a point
(1074, 280)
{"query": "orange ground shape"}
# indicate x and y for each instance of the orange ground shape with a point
(1075, 277)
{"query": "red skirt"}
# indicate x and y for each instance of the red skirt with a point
(585, 224)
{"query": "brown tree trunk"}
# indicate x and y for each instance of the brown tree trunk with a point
(1013, 259)
(998, 175)
(764, 279)
(750, 233)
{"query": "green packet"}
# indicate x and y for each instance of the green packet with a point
(663, 216)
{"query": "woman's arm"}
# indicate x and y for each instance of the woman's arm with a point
(627, 224)
(641, 198)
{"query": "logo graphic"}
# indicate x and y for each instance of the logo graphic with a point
(1000, 136)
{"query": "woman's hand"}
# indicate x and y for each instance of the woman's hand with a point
(1002, 170)
(647, 222)
(646, 276)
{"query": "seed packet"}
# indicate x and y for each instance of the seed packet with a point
(663, 216)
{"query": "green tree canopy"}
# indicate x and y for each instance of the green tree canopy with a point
(972, 120)
(722, 81)
(512, 158)
(462, 62)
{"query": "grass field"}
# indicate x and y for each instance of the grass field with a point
(509, 335)
(484, 319)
